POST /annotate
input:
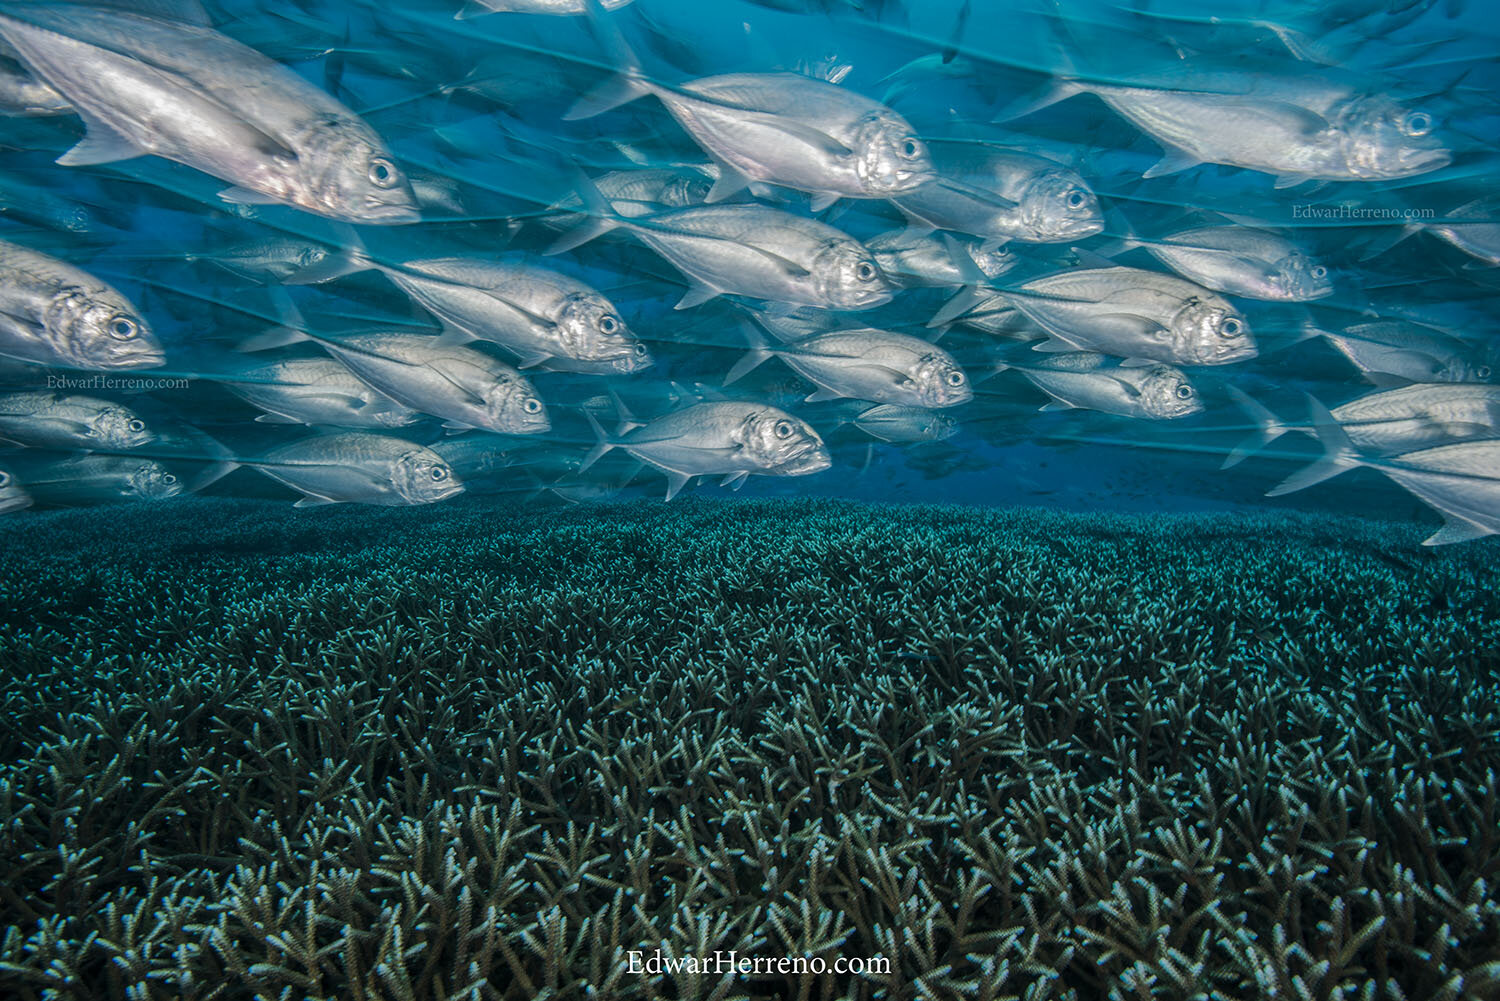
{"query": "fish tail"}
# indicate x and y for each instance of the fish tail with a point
(291, 328)
(967, 297)
(754, 358)
(602, 442)
(1339, 454)
(625, 86)
(1268, 427)
(350, 257)
(602, 218)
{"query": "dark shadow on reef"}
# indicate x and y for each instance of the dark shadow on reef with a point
(483, 751)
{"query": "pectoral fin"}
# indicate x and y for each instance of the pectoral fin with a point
(244, 196)
(102, 144)
(675, 482)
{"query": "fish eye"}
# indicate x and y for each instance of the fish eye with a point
(1184, 391)
(1418, 123)
(640, 350)
(137, 425)
(955, 378)
(1320, 272)
(383, 173)
(532, 405)
(608, 324)
(783, 429)
(1483, 371)
(123, 328)
(1231, 327)
(439, 474)
(169, 479)
(911, 149)
(865, 272)
(1077, 199)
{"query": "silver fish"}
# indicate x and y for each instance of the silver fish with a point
(633, 193)
(721, 438)
(1242, 261)
(190, 94)
(1299, 123)
(13, 496)
(892, 422)
(866, 364)
(316, 391)
(779, 128)
(23, 95)
(911, 260)
(358, 467)
(1424, 415)
(65, 422)
(1134, 314)
(100, 479)
(1393, 351)
(478, 8)
(56, 314)
(1086, 381)
(1002, 194)
(271, 258)
(463, 385)
(1473, 227)
(537, 314)
(1461, 482)
(750, 250)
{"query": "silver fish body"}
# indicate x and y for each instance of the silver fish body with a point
(55, 314)
(66, 422)
(478, 8)
(898, 424)
(1243, 261)
(876, 365)
(1402, 350)
(13, 496)
(764, 253)
(1002, 194)
(358, 467)
(913, 260)
(633, 193)
(100, 479)
(786, 129)
(23, 95)
(465, 386)
(190, 94)
(1474, 228)
(731, 439)
(1086, 381)
(1461, 482)
(317, 391)
(537, 314)
(1299, 124)
(1132, 313)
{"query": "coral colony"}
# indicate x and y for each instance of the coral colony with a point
(790, 749)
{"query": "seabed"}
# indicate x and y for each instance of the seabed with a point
(490, 751)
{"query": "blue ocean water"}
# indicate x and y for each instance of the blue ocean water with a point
(474, 110)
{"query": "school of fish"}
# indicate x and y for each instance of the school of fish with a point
(386, 253)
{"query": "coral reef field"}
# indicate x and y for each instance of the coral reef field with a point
(489, 751)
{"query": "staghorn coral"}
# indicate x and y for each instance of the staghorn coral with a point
(486, 752)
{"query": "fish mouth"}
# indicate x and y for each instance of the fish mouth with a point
(386, 214)
(1423, 160)
(814, 459)
(145, 359)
